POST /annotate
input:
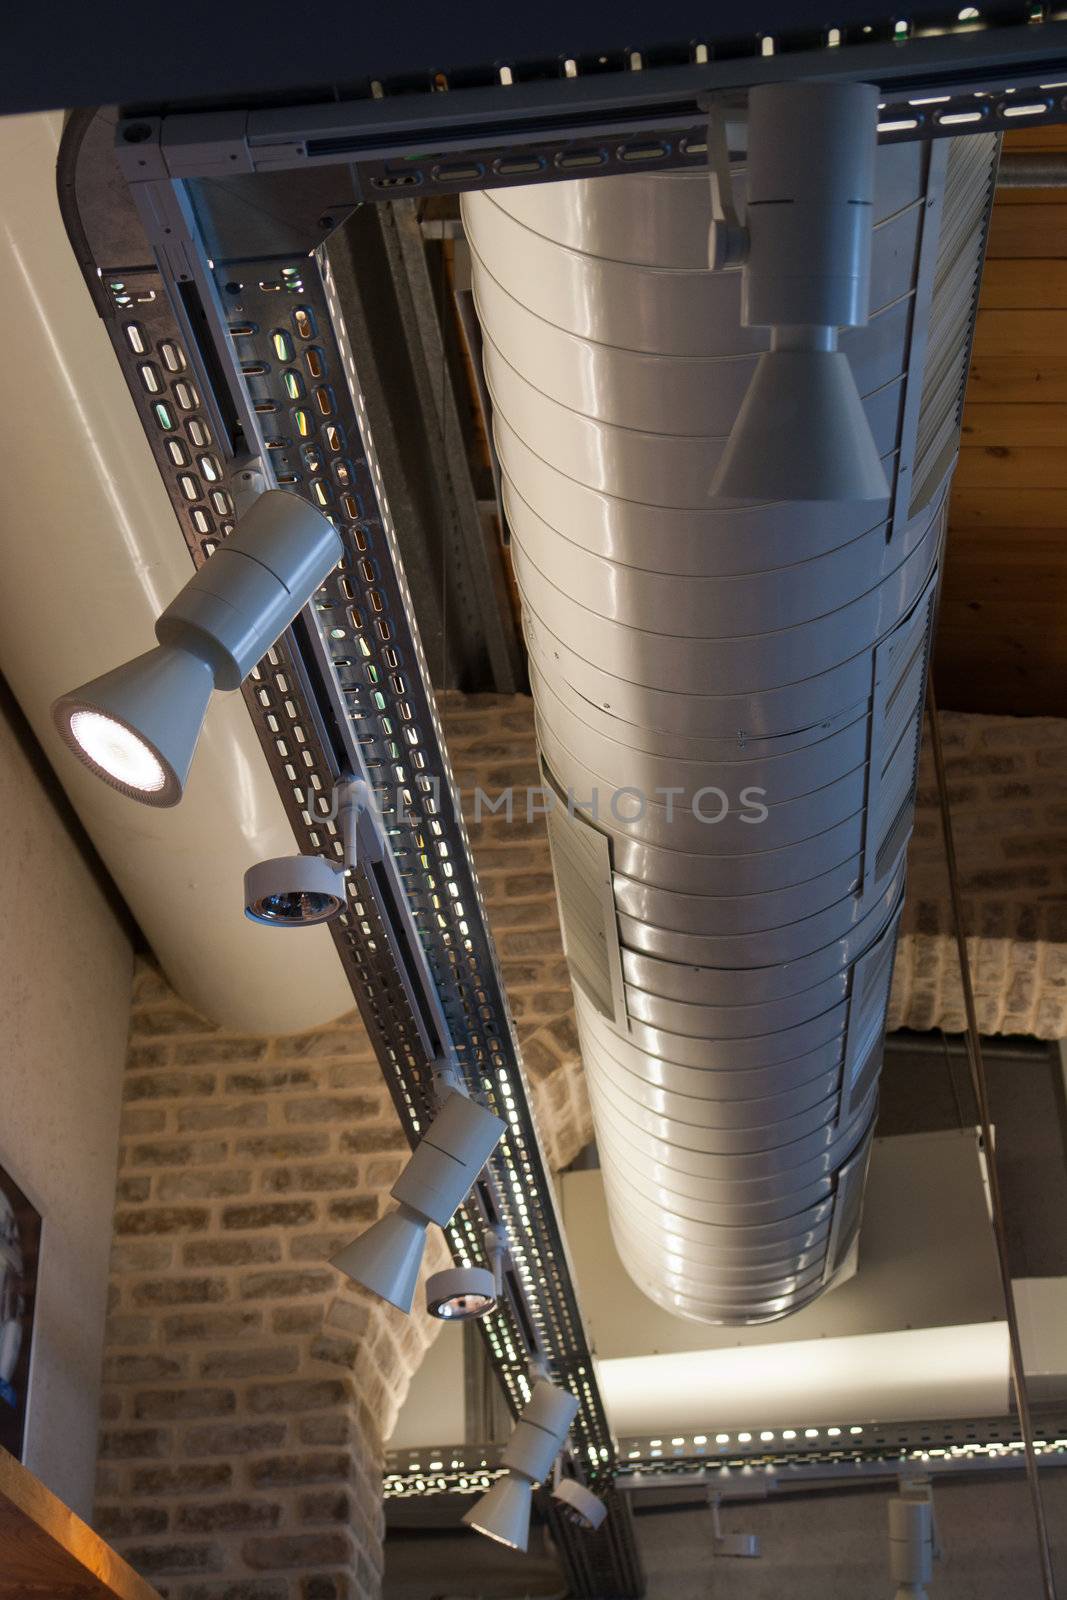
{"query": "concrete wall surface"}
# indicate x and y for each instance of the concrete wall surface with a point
(825, 1546)
(835, 1546)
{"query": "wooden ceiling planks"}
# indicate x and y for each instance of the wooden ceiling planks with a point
(1002, 635)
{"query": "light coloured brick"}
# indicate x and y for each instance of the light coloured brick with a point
(247, 1161)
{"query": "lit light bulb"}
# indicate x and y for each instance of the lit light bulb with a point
(118, 751)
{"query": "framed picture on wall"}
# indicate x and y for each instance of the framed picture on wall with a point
(20, 1241)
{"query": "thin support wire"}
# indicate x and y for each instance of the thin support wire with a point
(951, 1076)
(442, 312)
(981, 1095)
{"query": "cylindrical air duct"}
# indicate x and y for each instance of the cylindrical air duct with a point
(92, 556)
(729, 701)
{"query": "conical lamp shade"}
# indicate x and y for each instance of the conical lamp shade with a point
(801, 434)
(137, 727)
(503, 1512)
(386, 1259)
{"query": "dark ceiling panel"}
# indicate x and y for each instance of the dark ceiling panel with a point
(75, 54)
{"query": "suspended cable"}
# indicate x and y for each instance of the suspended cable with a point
(951, 1077)
(981, 1095)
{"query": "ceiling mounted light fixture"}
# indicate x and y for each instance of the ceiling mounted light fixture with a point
(300, 891)
(460, 1293)
(444, 1165)
(503, 1512)
(805, 250)
(579, 1504)
(137, 726)
(913, 1540)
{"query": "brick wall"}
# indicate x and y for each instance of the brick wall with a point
(491, 743)
(1008, 786)
(247, 1394)
(248, 1391)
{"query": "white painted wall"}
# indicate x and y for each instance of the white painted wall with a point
(65, 971)
(85, 520)
(917, 1332)
(433, 1412)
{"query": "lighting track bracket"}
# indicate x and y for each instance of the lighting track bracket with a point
(235, 358)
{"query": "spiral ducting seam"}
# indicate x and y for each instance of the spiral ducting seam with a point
(729, 701)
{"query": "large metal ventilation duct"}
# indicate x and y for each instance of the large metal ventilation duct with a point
(92, 555)
(731, 957)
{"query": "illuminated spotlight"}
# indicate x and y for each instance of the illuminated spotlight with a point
(386, 1258)
(137, 726)
(537, 1438)
(299, 891)
(801, 432)
(580, 1505)
(460, 1293)
(969, 14)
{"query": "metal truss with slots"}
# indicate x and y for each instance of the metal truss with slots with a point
(215, 244)
(742, 1462)
(240, 366)
(610, 114)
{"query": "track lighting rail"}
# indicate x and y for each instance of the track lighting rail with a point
(782, 1455)
(628, 115)
(253, 360)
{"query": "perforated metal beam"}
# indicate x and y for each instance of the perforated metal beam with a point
(575, 118)
(230, 358)
(398, 317)
(785, 1453)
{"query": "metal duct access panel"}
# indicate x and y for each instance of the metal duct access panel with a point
(729, 701)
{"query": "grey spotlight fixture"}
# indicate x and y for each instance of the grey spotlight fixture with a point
(579, 1504)
(299, 891)
(454, 1149)
(460, 1293)
(137, 726)
(503, 1512)
(801, 432)
(913, 1541)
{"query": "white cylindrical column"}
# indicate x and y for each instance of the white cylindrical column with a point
(92, 555)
